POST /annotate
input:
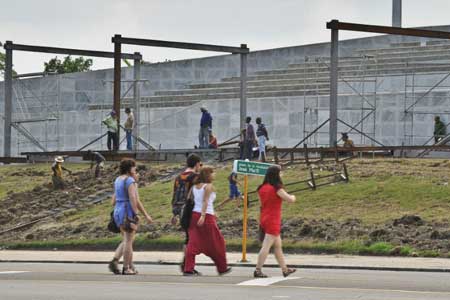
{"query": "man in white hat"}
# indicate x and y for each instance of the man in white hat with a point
(57, 168)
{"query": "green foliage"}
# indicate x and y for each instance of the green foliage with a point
(2, 64)
(68, 65)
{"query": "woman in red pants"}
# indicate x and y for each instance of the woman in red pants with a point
(204, 235)
(271, 194)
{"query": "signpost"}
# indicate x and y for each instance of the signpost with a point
(247, 167)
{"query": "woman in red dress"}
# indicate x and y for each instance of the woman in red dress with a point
(271, 194)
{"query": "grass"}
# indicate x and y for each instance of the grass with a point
(379, 191)
(175, 243)
(20, 178)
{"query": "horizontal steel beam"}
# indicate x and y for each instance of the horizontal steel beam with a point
(359, 149)
(179, 45)
(34, 74)
(44, 49)
(335, 24)
(12, 160)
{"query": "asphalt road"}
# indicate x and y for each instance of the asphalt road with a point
(89, 281)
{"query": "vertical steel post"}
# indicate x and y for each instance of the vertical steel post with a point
(243, 106)
(117, 77)
(334, 86)
(137, 101)
(244, 221)
(8, 99)
(396, 13)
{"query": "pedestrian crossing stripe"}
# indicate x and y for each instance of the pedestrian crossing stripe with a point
(265, 281)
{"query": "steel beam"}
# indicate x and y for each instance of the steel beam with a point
(8, 100)
(334, 86)
(336, 25)
(396, 13)
(178, 45)
(137, 102)
(93, 53)
(243, 90)
(117, 78)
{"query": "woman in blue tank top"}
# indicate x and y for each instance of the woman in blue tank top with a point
(126, 206)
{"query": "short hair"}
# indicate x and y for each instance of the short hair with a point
(205, 175)
(248, 119)
(125, 165)
(258, 120)
(127, 110)
(192, 160)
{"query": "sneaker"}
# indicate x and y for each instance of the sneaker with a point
(228, 270)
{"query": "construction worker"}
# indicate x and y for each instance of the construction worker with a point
(129, 125)
(440, 131)
(99, 162)
(113, 130)
(57, 168)
(348, 143)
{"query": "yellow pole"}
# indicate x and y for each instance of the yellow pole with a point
(244, 221)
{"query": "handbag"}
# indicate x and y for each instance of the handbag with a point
(112, 226)
(186, 211)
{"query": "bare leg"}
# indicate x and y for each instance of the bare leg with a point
(119, 252)
(278, 250)
(265, 249)
(128, 250)
(238, 201)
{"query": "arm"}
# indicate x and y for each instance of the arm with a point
(67, 170)
(113, 199)
(141, 207)
(285, 196)
(208, 191)
(132, 192)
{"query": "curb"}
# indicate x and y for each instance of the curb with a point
(246, 265)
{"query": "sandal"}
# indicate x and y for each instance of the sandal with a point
(128, 272)
(288, 272)
(114, 266)
(259, 274)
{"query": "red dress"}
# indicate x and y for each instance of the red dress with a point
(270, 219)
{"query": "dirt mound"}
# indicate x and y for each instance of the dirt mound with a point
(409, 220)
(24, 207)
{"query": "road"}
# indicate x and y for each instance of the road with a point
(57, 281)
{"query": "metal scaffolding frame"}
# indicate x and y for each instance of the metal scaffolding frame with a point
(335, 26)
(243, 51)
(10, 47)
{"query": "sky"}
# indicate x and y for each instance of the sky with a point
(261, 24)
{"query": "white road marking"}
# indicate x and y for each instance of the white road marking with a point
(266, 281)
(13, 272)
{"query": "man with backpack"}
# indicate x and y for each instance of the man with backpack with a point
(182, 185)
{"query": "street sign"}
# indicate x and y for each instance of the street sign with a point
(250, 167)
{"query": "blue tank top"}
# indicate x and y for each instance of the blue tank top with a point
(120, 190)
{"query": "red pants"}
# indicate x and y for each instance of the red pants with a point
(206, 239)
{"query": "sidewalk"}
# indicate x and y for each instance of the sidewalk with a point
(300, 261)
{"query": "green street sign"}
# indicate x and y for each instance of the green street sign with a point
(250, 168)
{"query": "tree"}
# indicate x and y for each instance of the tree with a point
(2, 65)
(68, 65)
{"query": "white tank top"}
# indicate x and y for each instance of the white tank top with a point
(198, 200)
